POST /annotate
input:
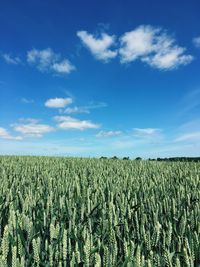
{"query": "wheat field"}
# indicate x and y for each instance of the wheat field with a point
(98, 212)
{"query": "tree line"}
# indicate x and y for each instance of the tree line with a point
(184, 159)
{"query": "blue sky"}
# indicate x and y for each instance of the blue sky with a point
(92, 78)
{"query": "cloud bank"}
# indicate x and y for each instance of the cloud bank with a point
(151, 45)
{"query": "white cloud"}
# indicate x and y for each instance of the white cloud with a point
(99, 47)
(170, 59)
(11, 60)
(194, 136)
(33, 129)
(58, 102)
(47, 60)
(196, 42)
(153, 46)
(108, 133)
(67, 122)
(137, 43)
(142, 132)
(42, 58)
(6, 135)
(63, 67)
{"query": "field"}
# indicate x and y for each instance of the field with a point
(92, 212)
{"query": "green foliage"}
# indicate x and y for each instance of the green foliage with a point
(104, 213)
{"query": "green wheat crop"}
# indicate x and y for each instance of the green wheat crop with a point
(89, 212)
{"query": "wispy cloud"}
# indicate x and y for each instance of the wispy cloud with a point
(76, 109)
(146, 132)
(33, 129)
(190, 101)
(27, 100)
(47, 60)
(10, 59)
(196, 42)
(58, 102)
(100, 46)
(192, 136)
(108, 133)
(28, 120)
(67, 123)
(86, 108)
(190, 126)
(189, 132)
(96, 105)
(68, 146)
(6, 135)
(153, 46)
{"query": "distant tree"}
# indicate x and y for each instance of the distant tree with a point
(125, 158)
(103, 157)
(114, 157)
(138, 158)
